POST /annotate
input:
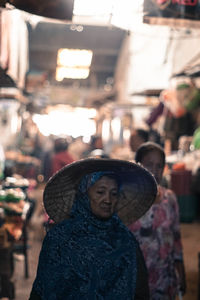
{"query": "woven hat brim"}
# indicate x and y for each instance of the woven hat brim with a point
(138, 190)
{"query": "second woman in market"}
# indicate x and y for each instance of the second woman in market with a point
(158, 232)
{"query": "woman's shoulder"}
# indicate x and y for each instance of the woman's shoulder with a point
(131, 234)
(169, 194)
(125, 231)
(60, 230)
(170, 199)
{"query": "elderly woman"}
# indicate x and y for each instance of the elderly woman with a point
(90, 253)
(158, 232)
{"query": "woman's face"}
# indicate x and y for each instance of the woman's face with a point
(103, 197)
(153, 162)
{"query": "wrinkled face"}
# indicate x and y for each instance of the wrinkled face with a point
(103, 197)
(153, 162)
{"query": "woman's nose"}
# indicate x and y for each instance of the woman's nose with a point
(107, 198)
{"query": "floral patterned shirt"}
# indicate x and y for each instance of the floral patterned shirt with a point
(158, 233)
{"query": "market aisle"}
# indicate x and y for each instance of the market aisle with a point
(22, 285)
(35, 236)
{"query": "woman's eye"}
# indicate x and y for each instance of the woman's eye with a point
(114, 194)
(100, 192)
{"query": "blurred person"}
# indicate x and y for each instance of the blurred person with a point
(95, 143)
(98, 153)
(61, 156)
(138, 137)
(89, 253)
(154, 136)
(158, 232)
(77, 147)
(48, 151)
(121, 152)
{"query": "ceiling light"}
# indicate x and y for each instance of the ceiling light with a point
(73, 63)
(74, 58)
(74, 73)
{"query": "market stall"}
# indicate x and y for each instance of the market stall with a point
(16, 209)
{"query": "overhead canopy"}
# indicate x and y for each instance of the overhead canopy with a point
(104, 42)
(160, 52)
(58, 9)
(148, 93)
(191, 69)
(156, 52)
(175, 12)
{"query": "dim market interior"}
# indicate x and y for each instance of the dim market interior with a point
(98, 80)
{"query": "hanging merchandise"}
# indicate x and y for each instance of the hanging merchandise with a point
(194, 101)
(14, 52)
(188, 95)
(155, 114)
(175, 127)
(196, 139)
(10, 121)
(185, 97)
(173, 103)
